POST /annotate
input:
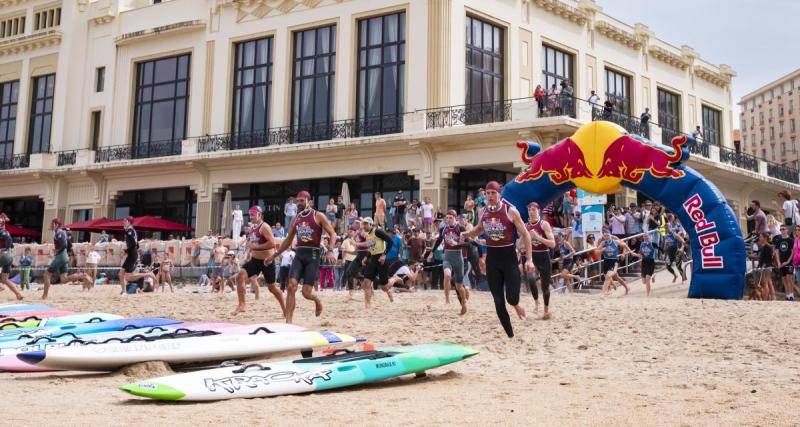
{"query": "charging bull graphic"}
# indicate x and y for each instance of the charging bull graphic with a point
(601, 157)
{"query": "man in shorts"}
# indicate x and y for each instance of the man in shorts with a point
(647, 253)
(7, 257)
(58, 265)
(378, 243)
(380, 210)
(453, 262)
(610, 247)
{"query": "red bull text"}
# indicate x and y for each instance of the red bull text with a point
(706, 232)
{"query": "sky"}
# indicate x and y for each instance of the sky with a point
(758, 39)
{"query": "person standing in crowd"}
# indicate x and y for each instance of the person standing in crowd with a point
(326, 265)
(237, 221)
(348, 252)
(784, 244)
(594, 100)
(278, 231)
(697, 134)
(286, 264)
(340, 215)
(453, 263)
(647, 253)
(633, 220)
(307, 227)
(577, 230)
(469, 209)
(351, 215)
(427, 215)
(567, 92)
(542, 241)
(499, 222)
(791, 213)
(416, 247)
(330, 212)
(796, 259)
(289, 212)
(7, 257)
(396, 249)
(644, 123)
(103, 237)
(758, 217)
(538, 95)
(567, 206)
(25, 263)
(378, 243)
(127, 272)
(767, 259)
(773, 226)
(92, 260)
(617, 222)
(552, 100)
(260, 244)
(673, 246)
(399, 204)
(411, 215)
(380, 210)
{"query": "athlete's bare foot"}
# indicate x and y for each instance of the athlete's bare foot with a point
(674, 278)
(318, 307)
(463, 309)
(239, 309)
(520, 311)
(536, 306)
(546, 315)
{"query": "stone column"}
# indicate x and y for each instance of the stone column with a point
(439, 36)
(208, 214)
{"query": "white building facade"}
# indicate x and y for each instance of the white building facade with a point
(114, 107)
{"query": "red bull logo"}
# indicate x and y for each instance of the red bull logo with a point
(563, 162)
(629, 158)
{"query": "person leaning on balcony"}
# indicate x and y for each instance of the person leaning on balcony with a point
(538, 95)
(697, 134)
(644, 123)
(552, 99)
(594, 100)
(567, 91)
(608, 108)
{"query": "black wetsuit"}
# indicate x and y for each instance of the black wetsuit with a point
(501, 263)
(131, 250)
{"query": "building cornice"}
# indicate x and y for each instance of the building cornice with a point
(178, 27)
(261, 8)
(669, 58)
(771, 85)
(720, 79)
(558, 8)
(618, 34)
(30, 42)
(11, 3)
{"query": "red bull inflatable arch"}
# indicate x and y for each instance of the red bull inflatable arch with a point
(601, 156)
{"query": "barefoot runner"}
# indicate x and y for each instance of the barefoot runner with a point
(378, 243)
(307, 226)
(260, 244)
(453, 262)
(128, 268)
(541, 242)
(7, 256)
(647, 253)
(610, 248)
(498, 223)
(58, 265)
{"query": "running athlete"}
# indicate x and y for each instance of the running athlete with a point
(260, 243)
(378, 243)
(453, 262)
(307, 227)
(58, 265)
(357, 265)
(541, 242)
(566, 260)
(647, 253)
(127, 271)
(7, 257)
(498, 223)
(673, 245)
(472, 254)
(610, 248)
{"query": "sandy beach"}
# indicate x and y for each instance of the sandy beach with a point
(613, 361)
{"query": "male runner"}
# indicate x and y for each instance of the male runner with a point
(610, 249)
(471, 253)
(498, 223)
(7, 256)
(673, 245)
(260, 243)
(453, 263)
(647, 253)
(127, 270)
(378, 243)
(542, 241)
(307, 227)
(380, 210)
(59, 263)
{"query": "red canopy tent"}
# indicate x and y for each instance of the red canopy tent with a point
(86, 225)
(22, 232)
(142, 223)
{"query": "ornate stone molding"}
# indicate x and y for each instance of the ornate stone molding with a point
(618, 35)
(30, 42)
(558, 8)
(178, 27)
(261, 8)
(669, 58)
(712, 76)
(10, 3)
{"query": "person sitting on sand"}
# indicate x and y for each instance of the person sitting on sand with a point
(404, 279)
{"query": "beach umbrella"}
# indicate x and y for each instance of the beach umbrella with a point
(86, 225)
(24, 232)
(345, 193)
(227, 207)
(143, 223)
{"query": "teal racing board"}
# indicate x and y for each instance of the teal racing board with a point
(341, 369)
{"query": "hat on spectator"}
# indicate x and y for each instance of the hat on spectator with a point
(368, 220)
(452, 212)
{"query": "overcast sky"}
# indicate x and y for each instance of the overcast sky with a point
(759, 39)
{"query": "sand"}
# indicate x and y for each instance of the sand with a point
(614, 361)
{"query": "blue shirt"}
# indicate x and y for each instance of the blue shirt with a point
(670, 240)
(610, 249)
(646, 250)
(279, 233)
(393, 253)
(25, 261)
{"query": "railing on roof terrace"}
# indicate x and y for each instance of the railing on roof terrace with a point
(468, 114)
(738, 159)
(18, 161)
(782, 172)
(351, 128)
(139, 151)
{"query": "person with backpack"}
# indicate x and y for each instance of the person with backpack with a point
(791, 211)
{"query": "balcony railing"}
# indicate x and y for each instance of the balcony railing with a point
(740, 160)
(66, 157)
(139, 151)
(784, 173)
(352, 128)
(18, 161)
(470, 114)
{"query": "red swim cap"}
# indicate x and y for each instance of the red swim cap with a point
(494, 185)
(129, 218)
(254, 210)
(452, 213)
(304, 194)
(56, 221)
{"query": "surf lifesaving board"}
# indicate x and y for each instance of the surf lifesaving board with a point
(60, 320)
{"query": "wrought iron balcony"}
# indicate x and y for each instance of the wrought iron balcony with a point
(18, 161)
(740, 160)
(469, 114)
(352, 128)
(139, 151)
(66, 157)
(784, 173)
